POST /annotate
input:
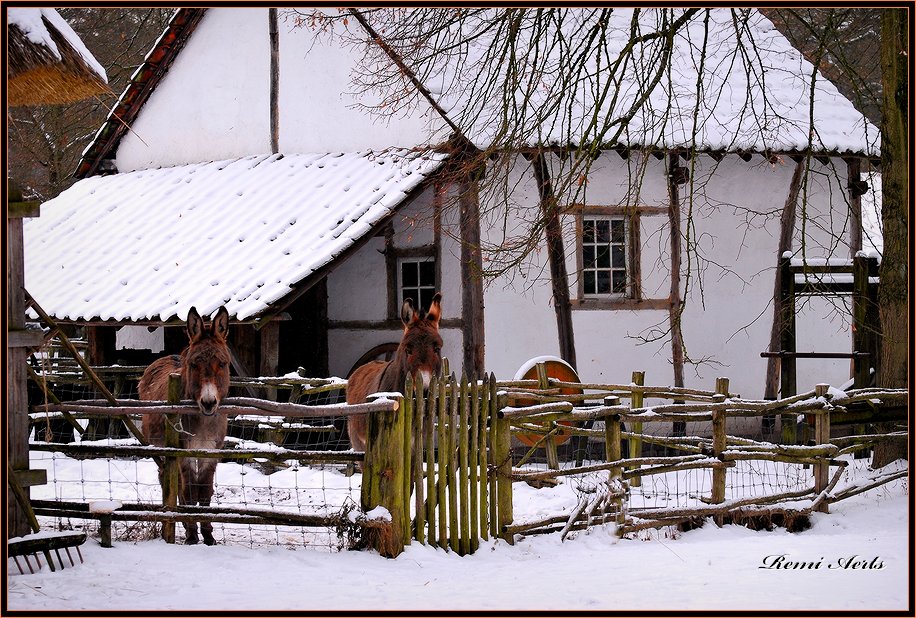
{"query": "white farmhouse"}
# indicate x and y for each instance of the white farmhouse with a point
(311, 219)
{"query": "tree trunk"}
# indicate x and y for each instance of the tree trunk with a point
(893, 365)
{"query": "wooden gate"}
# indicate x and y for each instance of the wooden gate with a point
(460, 463)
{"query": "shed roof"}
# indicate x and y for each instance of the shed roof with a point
(48, 63)
(145, 246)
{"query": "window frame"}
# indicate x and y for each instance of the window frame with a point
(633, 297)
(395, 257)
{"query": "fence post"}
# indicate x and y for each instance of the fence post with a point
(502, 452)
(612, 438)
(550, 446)
(634, 445)
(787, 385)
(822, 436)
(719, 441)
(171, 471)
(383, 477)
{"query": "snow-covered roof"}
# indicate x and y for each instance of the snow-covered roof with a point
(755, 89)
(148, 245)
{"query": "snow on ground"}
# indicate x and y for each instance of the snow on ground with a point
(857, 559)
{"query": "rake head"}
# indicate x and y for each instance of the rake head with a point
(44, 543)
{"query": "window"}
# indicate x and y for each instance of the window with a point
(604, 256)
(417, 280)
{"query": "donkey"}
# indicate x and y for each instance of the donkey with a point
(204, 369)
(420, 351)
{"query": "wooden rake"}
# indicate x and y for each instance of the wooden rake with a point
(44, 543)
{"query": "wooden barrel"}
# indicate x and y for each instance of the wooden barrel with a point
(556, 368)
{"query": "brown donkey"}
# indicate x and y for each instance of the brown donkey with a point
(420, 351)
(204, 369)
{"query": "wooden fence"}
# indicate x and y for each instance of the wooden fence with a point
(439, 462)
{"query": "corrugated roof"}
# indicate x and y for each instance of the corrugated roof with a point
(148, 245)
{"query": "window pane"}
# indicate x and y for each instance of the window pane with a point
(588, 284)
(619, 256)
(428, 274)
(411, 293)
(588, 256)
(620, 281)
(604, 257)
(409, 276)
(588, 230)
(603, 230)
(426, 298)
(617, 230)
(604, 282)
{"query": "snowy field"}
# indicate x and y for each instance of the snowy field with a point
(857, 556)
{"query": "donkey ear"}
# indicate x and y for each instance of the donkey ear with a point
(408, 313)
(435, 309)
(195, 325)
(220, 326)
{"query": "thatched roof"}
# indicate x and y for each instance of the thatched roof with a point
(48, 64)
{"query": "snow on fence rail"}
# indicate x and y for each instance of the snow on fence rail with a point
(455, 484)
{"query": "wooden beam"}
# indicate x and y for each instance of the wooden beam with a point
(556, 255)
(472, 311)
(274, 80)
(676, 308)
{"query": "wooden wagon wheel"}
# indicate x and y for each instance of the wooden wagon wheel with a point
(382, 352)
(556, 368)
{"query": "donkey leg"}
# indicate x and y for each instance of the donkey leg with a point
(206, 472)
(186, 496)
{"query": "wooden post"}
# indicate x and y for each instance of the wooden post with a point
(550, 446)
(634, 445)
(171, 470)
(274, 35)
(612, 448)
(406, 412)
(822, 436)
(556, 255)
(472, 311)
(270, 353)
(17, 351)
(383, 477)
(675, 310)
(503, 459)
(787, 386)
(719, 441)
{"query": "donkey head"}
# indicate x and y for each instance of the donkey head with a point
(421, 347)
(205, 370)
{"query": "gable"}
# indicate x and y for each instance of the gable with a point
(214, 100)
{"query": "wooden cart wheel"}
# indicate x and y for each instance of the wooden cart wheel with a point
(556, 368)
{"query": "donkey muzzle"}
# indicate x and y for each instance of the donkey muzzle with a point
(209, 400)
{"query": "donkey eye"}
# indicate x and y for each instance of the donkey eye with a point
(410, 349)
(437, 349)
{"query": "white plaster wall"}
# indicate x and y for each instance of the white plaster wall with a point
(214, 101)
(358, 289)
(140, 338)
(728, 314)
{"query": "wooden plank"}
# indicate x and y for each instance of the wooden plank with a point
(484, 475)
(22, 210)
(474, 463)
(464, 497)
(442, 465)
(429, 425)
(24, 338)
(719, 444)
(453, 514)
(787, 386)
(503, 454)
(32, 478)
(493, 475)
(419, 414)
